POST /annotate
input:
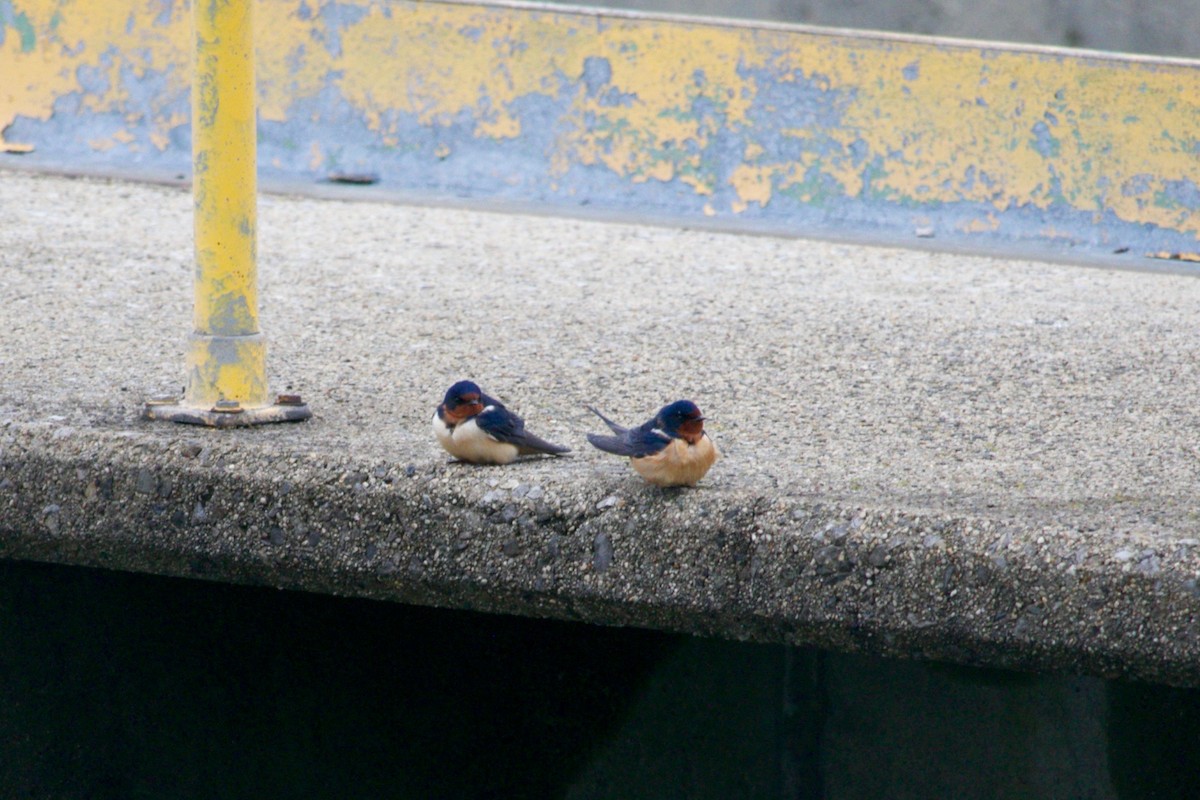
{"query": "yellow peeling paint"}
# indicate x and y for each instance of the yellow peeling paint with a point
(665, 71)
(70, 38)
(980, 225)
(501, 127)
(436, 71)
(292, 64)
(960, 128)
(158, 136)
(1193, 258)
(909, 122)
(1085, 108)
(753, 185)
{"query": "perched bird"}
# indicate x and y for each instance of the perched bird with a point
(671, 449)
(476, 428)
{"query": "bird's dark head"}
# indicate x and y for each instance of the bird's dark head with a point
(682, 419)
(463, 400)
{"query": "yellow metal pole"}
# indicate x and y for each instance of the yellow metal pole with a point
(227, 357)
(227, 354)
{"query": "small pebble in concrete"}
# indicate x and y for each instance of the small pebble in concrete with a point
(1149, 565)
(50, 516)
(145, 482)
(602, 552)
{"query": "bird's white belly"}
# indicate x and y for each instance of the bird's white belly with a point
(442, 431)
(678, 464)
(467, 442)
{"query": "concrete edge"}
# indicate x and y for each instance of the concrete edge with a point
(798, 570)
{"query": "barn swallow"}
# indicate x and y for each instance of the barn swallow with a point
(671, 449)
(474, 427)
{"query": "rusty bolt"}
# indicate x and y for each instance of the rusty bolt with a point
(289, 400)
(228, 407)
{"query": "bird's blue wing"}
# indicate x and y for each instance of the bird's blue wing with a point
(500, 423)
(635, 442)
(612, 426)
(505, 426)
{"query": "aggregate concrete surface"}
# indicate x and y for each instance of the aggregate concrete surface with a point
(934, 455)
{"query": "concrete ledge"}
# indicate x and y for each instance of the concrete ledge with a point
(926, 455)
(740, 566)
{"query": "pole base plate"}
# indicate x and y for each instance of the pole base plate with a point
(226, 415)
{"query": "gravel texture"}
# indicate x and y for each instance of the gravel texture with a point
(924, 454)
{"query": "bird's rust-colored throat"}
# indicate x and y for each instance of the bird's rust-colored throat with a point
(464, 411)
(692, 430)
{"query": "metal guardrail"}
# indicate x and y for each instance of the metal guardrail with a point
(777, 128)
